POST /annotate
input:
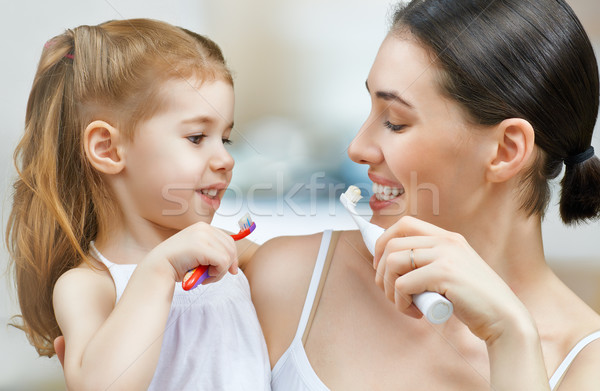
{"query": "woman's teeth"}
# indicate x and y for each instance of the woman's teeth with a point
(386, 193)
(209, 192)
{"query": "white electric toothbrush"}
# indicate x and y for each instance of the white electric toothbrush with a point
(436, 308)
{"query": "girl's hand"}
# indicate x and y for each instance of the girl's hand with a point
(198, 244)
(445, 263)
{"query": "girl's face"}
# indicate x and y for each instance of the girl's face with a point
(424, 159)
(177, 167)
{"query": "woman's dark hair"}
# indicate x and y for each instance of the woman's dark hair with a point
(527, 59)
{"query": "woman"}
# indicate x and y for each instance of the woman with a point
(476, 105)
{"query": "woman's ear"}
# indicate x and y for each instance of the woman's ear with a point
(104, 147)
(515, 145)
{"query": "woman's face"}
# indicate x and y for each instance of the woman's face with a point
(424, 158)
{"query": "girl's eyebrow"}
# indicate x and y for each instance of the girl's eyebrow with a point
(391, 96)
(202, 119)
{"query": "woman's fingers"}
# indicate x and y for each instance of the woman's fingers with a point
(400, 263)
(391, 267)
(406, 227)
(404, 303)
(405, 243)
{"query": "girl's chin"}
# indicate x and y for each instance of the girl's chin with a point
(191, 218)
(210, 202)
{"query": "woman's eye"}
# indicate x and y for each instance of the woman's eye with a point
(395, 128)
(195, 139)
(227, 141)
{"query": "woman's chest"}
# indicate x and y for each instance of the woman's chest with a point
(359, 341)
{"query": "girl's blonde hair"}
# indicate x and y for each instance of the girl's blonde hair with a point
(112, 72)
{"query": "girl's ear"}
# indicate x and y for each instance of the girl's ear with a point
(515, 145)
(104, 147)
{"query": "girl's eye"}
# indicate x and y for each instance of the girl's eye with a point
(195, 139)
(227, 141)
(395, 128)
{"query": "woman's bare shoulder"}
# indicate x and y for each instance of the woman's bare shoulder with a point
(279, 275)
(582, 375)
(282, 258)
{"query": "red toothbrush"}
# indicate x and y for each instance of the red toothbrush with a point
(195, 276)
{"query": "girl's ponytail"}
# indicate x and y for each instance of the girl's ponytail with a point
(580, 194)
(51, 205)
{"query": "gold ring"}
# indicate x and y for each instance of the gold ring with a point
(411, 255)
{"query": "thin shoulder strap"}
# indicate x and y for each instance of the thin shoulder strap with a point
(314, 282)
(315, 303)
(119, 273)
(96, 254)
(564, 366)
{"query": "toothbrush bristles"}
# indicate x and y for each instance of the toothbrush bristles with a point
(353, 194)
(245, 222)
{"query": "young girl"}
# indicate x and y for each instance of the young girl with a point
(121, 169)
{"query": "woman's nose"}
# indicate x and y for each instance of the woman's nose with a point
(364, 148)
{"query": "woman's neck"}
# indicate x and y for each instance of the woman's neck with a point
(511, 243)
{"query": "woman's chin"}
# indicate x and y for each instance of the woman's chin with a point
(385, 220)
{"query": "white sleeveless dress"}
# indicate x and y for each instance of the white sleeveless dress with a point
(212, 340)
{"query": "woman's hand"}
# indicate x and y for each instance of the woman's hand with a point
(198, 244)
(444, 262)
(413, 256)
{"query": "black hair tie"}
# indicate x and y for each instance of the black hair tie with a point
(580, 157)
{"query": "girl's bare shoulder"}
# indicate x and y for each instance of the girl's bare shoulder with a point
(85, 289)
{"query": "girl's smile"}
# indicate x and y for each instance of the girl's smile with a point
(212, 194)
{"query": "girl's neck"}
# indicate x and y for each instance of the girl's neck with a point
(127, 242)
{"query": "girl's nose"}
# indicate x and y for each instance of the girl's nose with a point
(364, 148)
(221, 160)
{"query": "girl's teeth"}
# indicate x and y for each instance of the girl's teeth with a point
(210, 192)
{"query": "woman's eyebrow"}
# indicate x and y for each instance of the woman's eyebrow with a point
(391, 96)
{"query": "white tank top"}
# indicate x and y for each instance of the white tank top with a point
(293, 371)
(212, 340)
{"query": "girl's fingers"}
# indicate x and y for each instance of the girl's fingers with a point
(233, 269)
(221, 242)
(229, 245)
(218, 237)
(201, 244)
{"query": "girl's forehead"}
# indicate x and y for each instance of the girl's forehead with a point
(182, 98)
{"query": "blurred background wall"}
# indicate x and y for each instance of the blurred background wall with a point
(299, 71)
